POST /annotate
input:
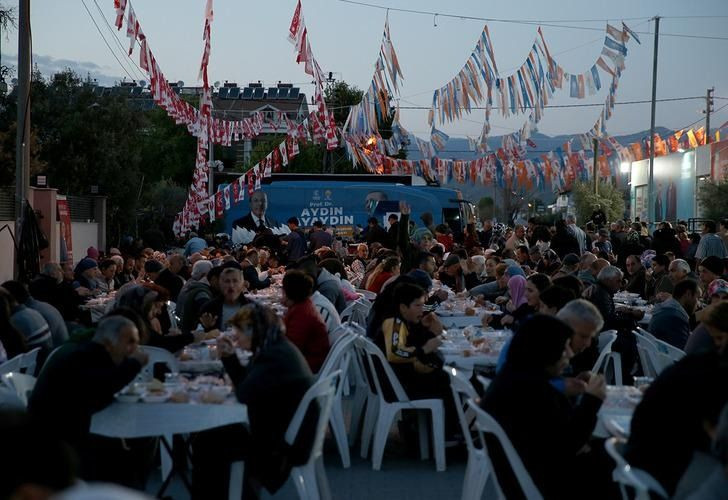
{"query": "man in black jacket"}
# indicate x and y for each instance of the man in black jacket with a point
(219, 310)
(82, 380)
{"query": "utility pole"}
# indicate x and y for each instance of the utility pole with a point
(595, 145)
(708, 110)
(22, 139)
(651, 190)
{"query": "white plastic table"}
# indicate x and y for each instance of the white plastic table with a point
(163, 420)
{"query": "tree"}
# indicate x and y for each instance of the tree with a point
(8, 21)
(713, 198)
(340, 96)
(486, 208)
(610, 198)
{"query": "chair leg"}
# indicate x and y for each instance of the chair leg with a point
(617, 360)
(358, 402)
(166, 458)
(322, 480)
(438, 437)
(370, 420)
(339, 431)
(424, 435)
(381, 433)
(469, 479)
(237, 475)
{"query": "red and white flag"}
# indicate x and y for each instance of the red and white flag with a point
(120, 6)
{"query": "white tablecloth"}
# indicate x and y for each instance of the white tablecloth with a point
(459, 321)
(133, 420)
(618, 407)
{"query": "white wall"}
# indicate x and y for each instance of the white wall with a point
(7, 252)
(84, 235)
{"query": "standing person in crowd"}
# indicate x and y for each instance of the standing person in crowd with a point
(485, 235)
(393, 231)
(194, 245)
(304, 326)
(78, 382)
(710, 243)
(671, 319)
(665, 239)
(578, 233)
(375, 232)
(428, 222)
(598, 217)
(319, 237)
(271, 383)
(540, 351)
(295, 241)
(564, 242)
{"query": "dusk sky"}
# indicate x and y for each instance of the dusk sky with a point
(249, 44)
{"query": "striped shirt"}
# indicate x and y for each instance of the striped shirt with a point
(711, 245)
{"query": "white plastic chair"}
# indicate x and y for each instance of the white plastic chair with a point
(672, 352)
(309, 478)
(488, 425)
(11, 365)
(607, 356)
(370, 296)
(479, 467)
(356, 312)
(21, 383)
(158, 355)
(648, 354)
(627, 476)
(484, 381)
(28, 361)
(338, 359)
(388, 410)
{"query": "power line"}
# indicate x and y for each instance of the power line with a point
(107, 43)
(136, 69)
(548, 23)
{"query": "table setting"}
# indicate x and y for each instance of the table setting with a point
(473, 346)
(615, 415)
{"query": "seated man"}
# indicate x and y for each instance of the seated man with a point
(250, 271)
(659, 281)
(409, 340)
(457, 274)
(636, 277)
(671, 319)
(216, 313)
(82, 380)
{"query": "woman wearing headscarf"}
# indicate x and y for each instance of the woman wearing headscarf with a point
(524, 298)
(546, 430)
(271, 382)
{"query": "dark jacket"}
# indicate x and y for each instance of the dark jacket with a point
(170, 282)
(214, 307)
(543, 426)
(563, 243)
(194, 295)
(250, 274)
(248, 223)
(674, 407)
(459, 283)
(272, 386)
(320, 239)
(61, 295)
(637, 283)
(74, 384)
(671, 323)
(377, 234)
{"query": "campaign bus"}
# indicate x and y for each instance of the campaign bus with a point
(344, 201)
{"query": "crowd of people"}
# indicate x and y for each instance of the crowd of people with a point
(555, 284)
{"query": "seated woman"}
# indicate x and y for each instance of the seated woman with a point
(388, 269)
(148, 301)
(304, 326)
(271, 382)
(524, 298)
(541, 423)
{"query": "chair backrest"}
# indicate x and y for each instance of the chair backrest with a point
(11, 365)
(370, 296)
(606, 338)
(372, 356)
(28, 361)
(356, 312)
(22, 383)
(487, 424)
(626, 475)
(339, 355)
(159, 355)
(668, 350)
(322, 394)
(462, 391)
(484, 381)
(650, 359)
